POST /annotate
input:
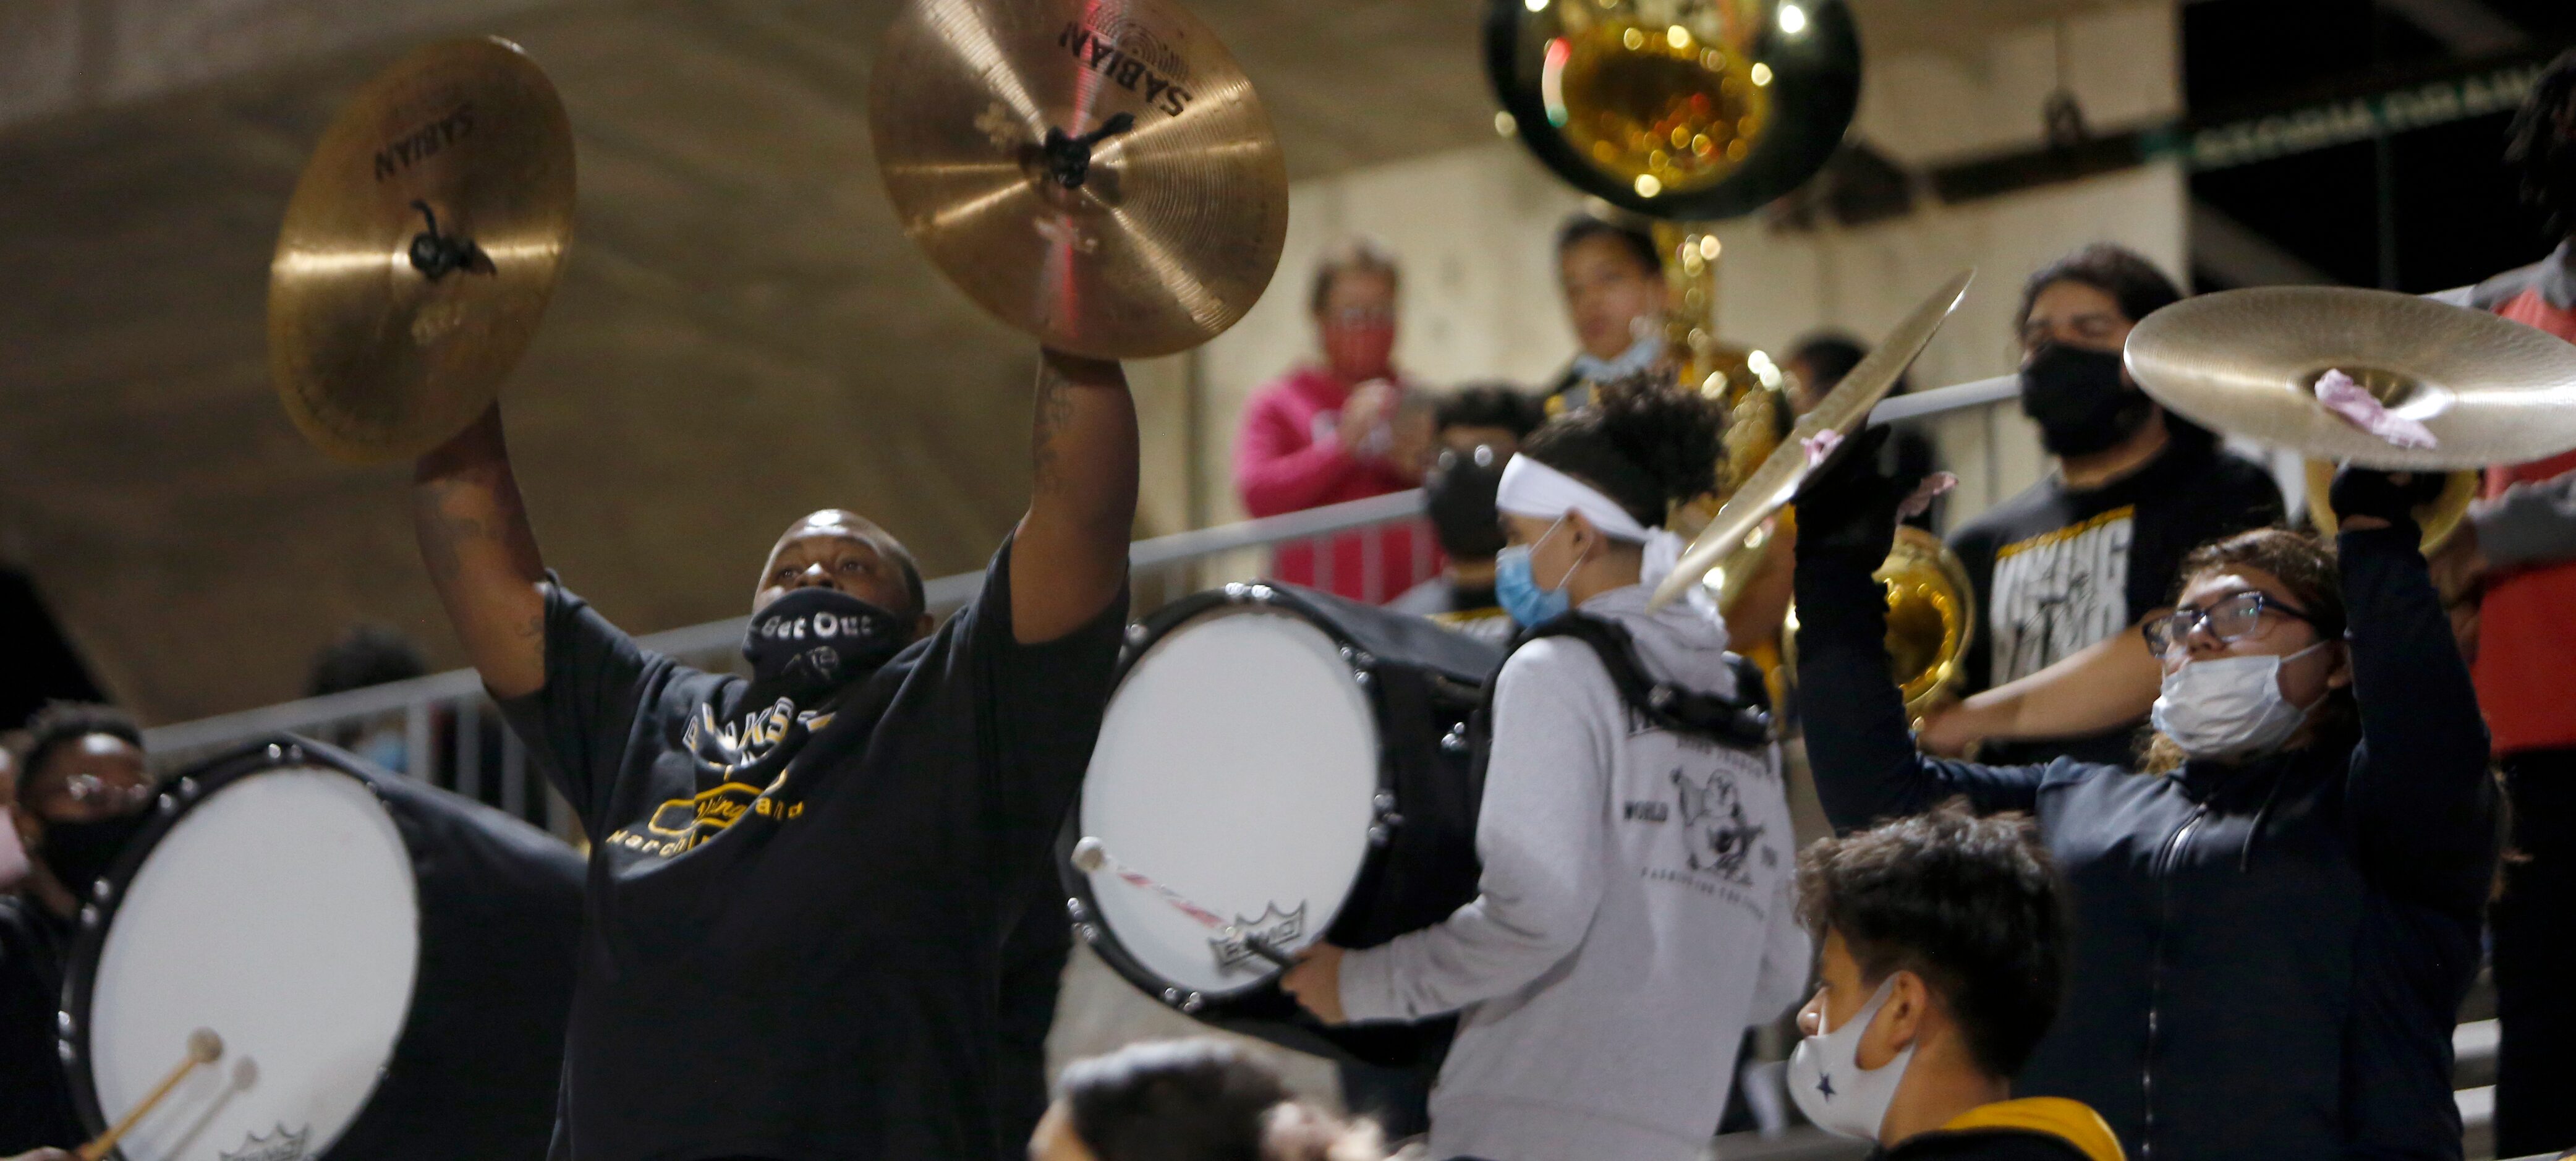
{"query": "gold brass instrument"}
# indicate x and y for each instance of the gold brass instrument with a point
(2438, 518)
(1684, 110)
(1931, 618)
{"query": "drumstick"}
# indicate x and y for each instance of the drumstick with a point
(1091, 855)
(204, 1047)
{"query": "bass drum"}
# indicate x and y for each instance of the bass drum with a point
(1299, 765)
(390, 967)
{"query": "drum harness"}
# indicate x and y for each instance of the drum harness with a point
(1743, 722)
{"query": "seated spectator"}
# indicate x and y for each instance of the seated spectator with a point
(1478, 429)
(82, 796)
(1944, 961)
(1344, 429)
(1188, 1100)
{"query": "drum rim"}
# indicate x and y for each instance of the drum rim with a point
(179, 795)
(1082, 907)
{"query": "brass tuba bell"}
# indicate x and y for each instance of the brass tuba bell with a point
(1931, 619)
(1678, 109)
(2438, 517)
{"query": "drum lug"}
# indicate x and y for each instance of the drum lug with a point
(100, 891)
(188, 789)
(1455, 741)
(1193, 1002)
(89, 915)
(1260, 594)
(276, 752)
(1073, 909)
(63, 1048)
(1172, 996)
(1136, 635)
(63, 1025)
(1387, 818)
(1086, 933)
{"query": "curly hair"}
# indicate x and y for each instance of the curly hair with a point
(1646, 443)
(1971, 905)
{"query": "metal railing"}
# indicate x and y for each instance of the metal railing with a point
(445, 729)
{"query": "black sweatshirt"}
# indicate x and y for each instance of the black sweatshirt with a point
(2267, 956)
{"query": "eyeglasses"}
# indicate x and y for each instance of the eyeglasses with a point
(2230, 618)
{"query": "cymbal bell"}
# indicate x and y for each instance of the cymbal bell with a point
(1098, 173)
(2246, 362)
(1843, 410)
(419, 250)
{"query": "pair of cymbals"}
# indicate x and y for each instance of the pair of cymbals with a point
(1097, 173)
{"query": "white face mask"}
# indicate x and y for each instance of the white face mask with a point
(2229, 707)
(1830, 1086)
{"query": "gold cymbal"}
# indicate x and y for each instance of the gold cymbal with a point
(1097, 173)
(419, 250)
(2246, 362)
(1843, 410)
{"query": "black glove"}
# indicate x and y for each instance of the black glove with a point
(1848, 505)
(2390, 496)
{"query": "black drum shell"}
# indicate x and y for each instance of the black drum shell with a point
(478, 1066)
(1424, 685)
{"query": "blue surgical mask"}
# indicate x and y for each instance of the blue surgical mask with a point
(1517, 588)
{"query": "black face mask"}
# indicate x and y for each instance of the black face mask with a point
(80, 852)
(2080, 402)
(812, 641)
(1459, 497)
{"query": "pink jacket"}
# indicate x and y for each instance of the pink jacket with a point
(1287, 458)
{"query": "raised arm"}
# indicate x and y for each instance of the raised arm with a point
(2110, 683)
(2422, 803)
(1864, 760)
(482, 558)
(1069, 559)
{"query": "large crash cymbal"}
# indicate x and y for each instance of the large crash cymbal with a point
(2246, 362)
(1842, 411)
(419, 250)
(1097, 173)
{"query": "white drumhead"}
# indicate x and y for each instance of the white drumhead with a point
(1235, 765)
(282, 914)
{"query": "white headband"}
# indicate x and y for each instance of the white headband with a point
(1533, 489)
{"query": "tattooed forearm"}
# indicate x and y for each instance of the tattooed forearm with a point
(1054, 413)
(481, 556)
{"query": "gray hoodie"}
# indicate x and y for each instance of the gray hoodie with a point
(1634, 915)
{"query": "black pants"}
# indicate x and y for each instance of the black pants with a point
(2534, 924)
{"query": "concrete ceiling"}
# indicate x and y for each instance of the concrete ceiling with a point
(742, 335)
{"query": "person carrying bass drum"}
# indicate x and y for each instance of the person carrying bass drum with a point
(1634, 912)
(2276, 916)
